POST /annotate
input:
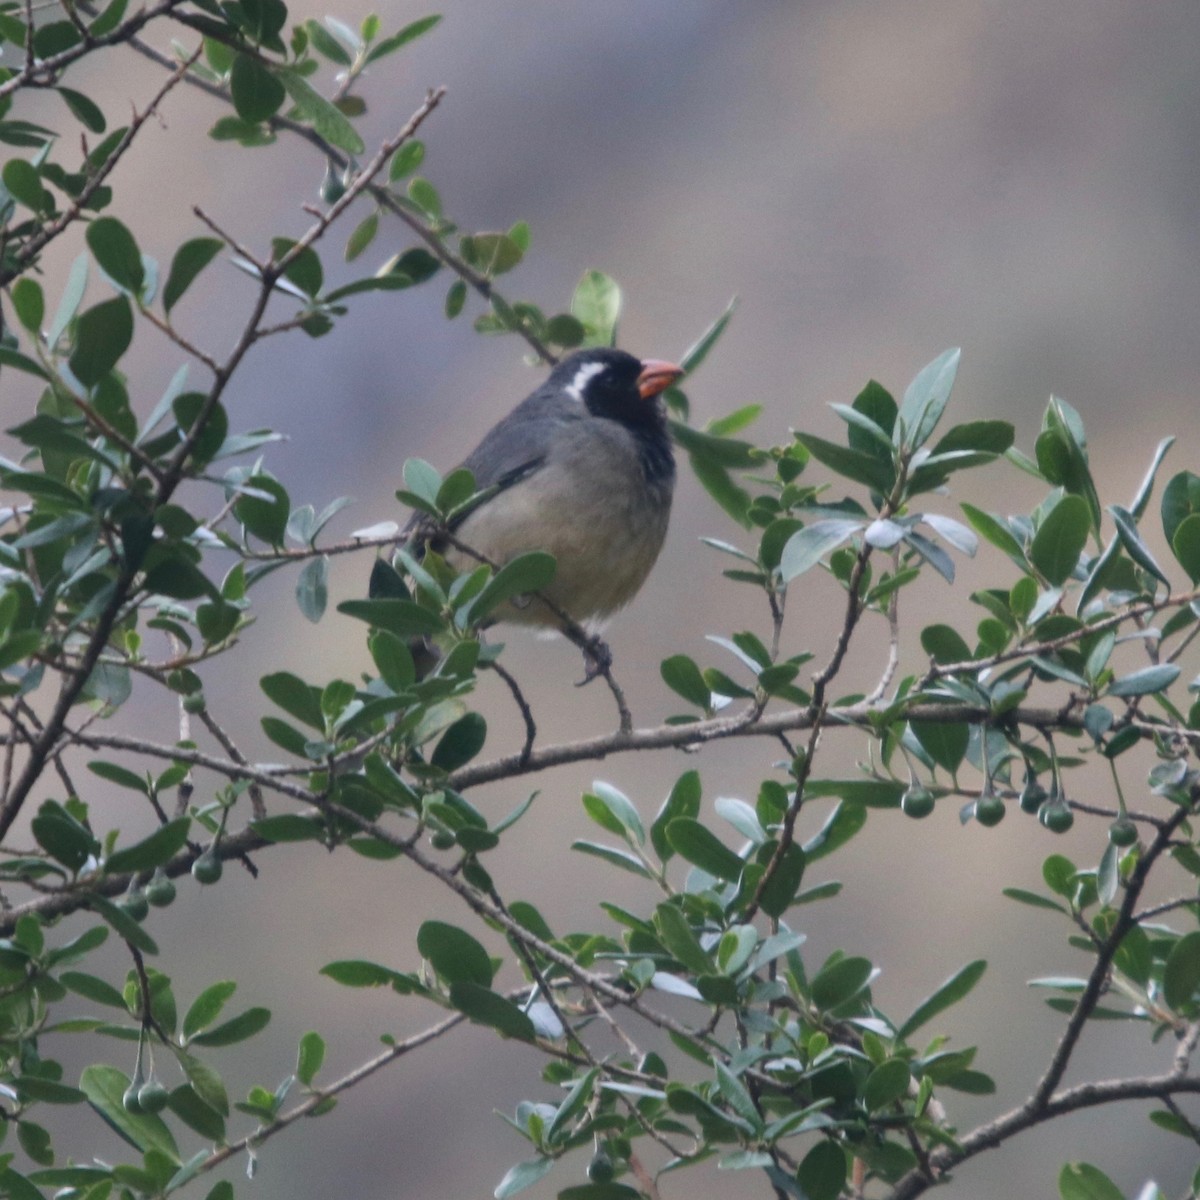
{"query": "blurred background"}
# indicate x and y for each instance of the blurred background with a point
(875, 182)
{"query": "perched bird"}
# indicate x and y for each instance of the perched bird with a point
(582, 469)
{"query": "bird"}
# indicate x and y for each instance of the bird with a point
(583, 469)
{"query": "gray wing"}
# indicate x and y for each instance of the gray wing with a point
(513, 449)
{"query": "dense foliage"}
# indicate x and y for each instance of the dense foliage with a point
(115, 578)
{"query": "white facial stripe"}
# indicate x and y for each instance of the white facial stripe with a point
(586, 372)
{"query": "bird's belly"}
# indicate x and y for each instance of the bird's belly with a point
(604, 544)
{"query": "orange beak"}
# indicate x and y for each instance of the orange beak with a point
(656, 376)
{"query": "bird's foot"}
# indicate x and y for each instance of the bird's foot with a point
(597, 658)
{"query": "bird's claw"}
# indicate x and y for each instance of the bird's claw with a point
(597, 658)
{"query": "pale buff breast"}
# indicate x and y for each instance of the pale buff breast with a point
(593, 509)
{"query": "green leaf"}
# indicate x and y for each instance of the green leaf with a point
(295, 697)
(683, 677)
(303, 268)
(123, 924)
(702, 848)
(1181, 974)
(807, 546)
(1145, 681)
(320, 113)
(62, 837)
(406, 160)
(781, 889)
(188, 261)
(520, 576)
(102, 334)
(207, 1007)
(1062, 456)
(623, 817)
(99, 991)
(840, 981)
(925, 399)
(944, 741)
(682, 801)
(25, 185)
(401, 617)
(360, 973)
(851, 464)
(614, 857)
(290, 827)
(327, 44)
(460, 743)
(1138, 507)
(596, 304)
(1032, 899)
(408, 34)
(680, 940)
(1131, 539)
(886, 1084)
(29, 303)
(951, 992)
(485, 1007)
(524, 1174)
(944, 644)
(716, 481)
(1181, 498)
(160, 847)
(312, 588)
(190, 1107)
(121, 776)
(822, 1172)
(1060, 540)
(32, 1087)
(310, 1057)
(990, 437)
(491, 253)
(241, 1027)
(1185, 545)
(1081, 1181)
(362, 236)
(104, 1087)
(114, 249)
(84, 109)
(454, 954)
(994, 530)
(698, 351)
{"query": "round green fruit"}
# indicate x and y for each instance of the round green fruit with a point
(194, 703)
(152, 1096)
(160, 891)
(917, 802)
(129, 1101)
(1033, 796)
(207, 868)
(135, 905)
(989, 810)
(1122, 832)
(1056, 816)
(600, 1169)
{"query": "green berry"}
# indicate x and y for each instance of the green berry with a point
(1033, 796)
(207, 868)
(989, 810)
(600, 1169)
(441, 839)
(194, 702)
(152, 1096)
(135, 905)
(1056, 815)
(160, 891)
(1122, 832)
(130, 1101)
(917, 802)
